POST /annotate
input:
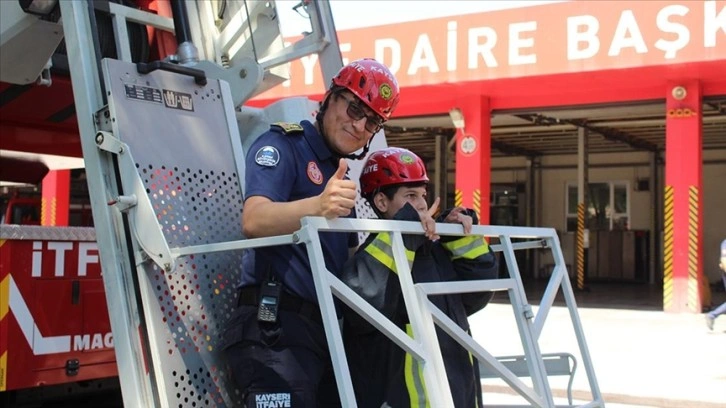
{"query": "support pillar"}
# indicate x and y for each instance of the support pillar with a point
(473, 157)
(683, 280)
(582, 187)
(534, 210)
(55, 204)
(656, 224)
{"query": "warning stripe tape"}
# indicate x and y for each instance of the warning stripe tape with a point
(694, 303)
(668, 248)
(48, 211)
(477, 202)
(3, 370)
(581, 245)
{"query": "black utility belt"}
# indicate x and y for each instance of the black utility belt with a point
(250, 296)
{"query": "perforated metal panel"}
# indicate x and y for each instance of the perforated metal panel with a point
(184, 143)
(362, 207)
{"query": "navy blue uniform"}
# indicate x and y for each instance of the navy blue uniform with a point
(288, 167)
(287, 360)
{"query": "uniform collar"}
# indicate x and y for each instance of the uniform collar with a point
(316, 142)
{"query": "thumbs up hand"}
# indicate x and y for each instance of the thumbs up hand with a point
(342, 169)
(338, 198)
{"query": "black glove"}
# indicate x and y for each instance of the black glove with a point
(412, 242)
(467, 211)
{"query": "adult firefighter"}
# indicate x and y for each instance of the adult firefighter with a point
(275, 341)
(394, 183)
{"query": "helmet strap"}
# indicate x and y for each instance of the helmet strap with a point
(321, 113)
(369, 202)
(362, 154)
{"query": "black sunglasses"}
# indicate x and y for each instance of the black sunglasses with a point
(356, 112)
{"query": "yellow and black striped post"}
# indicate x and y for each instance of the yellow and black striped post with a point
(580, 243)
(697, 291)
(476, 202)
(48, 210)
(458, 198)
(55, 202)
(668, 292)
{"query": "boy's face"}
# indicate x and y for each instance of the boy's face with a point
(414, 195)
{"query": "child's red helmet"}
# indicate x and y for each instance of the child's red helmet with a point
(372, 82)
(391, 166)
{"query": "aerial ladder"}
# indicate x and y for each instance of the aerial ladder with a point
(164, 145)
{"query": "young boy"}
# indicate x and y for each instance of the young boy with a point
(394, 184)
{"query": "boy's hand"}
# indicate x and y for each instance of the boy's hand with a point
(428, 222)
(457, 216)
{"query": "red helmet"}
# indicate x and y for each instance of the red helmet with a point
(391, 166)
(372, 82)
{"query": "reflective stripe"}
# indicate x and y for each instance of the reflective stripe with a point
(3, 370)
(382, 252)
(413, 373)
(381, 249)
(467, 247)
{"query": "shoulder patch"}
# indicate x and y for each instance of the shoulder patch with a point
(314, 173)
(286, 127)
(267, 156)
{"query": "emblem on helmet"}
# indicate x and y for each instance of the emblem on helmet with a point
(406, 159)
(385, 91)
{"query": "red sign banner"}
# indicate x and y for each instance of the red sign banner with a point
(577, 36)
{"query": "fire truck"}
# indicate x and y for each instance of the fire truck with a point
(56, 339)
(54, 316)
(137, 303)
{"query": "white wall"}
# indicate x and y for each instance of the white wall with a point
(714, 211)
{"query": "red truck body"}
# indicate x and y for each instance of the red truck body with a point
(54, 324)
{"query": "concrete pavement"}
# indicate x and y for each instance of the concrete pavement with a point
(640, 358)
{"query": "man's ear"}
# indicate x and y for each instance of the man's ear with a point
(381, 202)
